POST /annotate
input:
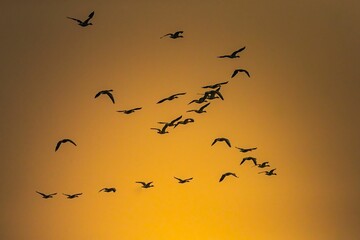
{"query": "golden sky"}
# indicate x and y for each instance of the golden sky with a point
(299, 108)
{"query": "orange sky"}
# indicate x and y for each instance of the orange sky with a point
(299, 108)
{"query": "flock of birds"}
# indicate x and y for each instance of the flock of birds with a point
(207, 96)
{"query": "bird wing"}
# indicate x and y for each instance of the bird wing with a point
(219, 94)
(234, 73)
(52, 194)
(90, 16)
(77, 194)
(102, 189)
(254, 161)
(179, 179)
(272, 170)
(244, 159)
(58, 145)
(42, 194)
(79, 21)
(247, 73)
(169, 34)
(241, 49)
(69, 140)
(121, 110)
(215, 141)
(162, 100)
(164, 127)
(188, 179)
(136, 108)
(178, 33)
(202, 108)
(224, 56)
(178, 94)
(110, 96)
(175, 120)
(222, 177)
(227, 142)
(143, 183)
(98, 94)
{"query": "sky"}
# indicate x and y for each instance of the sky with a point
(299, 108)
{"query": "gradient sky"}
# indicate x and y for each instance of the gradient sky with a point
(300, 108)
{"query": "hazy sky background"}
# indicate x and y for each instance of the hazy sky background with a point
(300, 108)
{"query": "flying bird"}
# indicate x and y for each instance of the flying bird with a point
(183, 180)
(175, 35)
(249, 159)
(240, 70)
(46, 195)
(221, 139)
(161, 131)
(146, 185)
(71, 196)
(217, 85)
(244, 150)
(212, 94)
(200, 110)
(263, 165)
(227, 174)
(269, 173)
(107, 92)
(172, 122)
(233, 55)
(186, 121)
(108, 190)
(84, 23)
(172, 97)
(64, 141)
(129, 110)
(198, 101)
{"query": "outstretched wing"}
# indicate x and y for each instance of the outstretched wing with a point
(214, 141)
(227, 142)
(110, 96)
(237, 51)
(169, 34)
(90, 16)
(202, 108)
(69, 140)
(102, 189)
(222, 177)
(98, 94)
(79, 21)
(162, 100)
(175, 120)
(58, 145)
(42, 194)
(143, 183)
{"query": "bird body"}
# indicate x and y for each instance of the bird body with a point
(71, 196)
(46, 196)
(183, 180)
(146, 185)
(64, 141)
(186, 121)
(129, 110)
(236, 71)
(200, 110)
(161, 131)
(172, 97)
(244, 150)
(233, 55)
(263, 165)
(222, 139)
(84, 23)
(108, 190)
(269, 173)
(249, 159)
(227, 174)
(106, 92)
(217, 85)
(174, 35)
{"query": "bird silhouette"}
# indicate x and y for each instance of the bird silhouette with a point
(184, 122)
(146, 185)
(107, 92)
(46, 195)
(71, 196)
(172, 122)
(240, 70)
(161, 131)
(129, 110)
(227, 174)
(212, 94)
(183, 180)
(172, 97)
(249, 159)
(200, 110)
(198, 101)
(84, 23)
(233, 55)
(263, 165)
(269, 173)
(222, 139)
(64, 141)
(216, 85)
(244, 150)
(108, 190)
(175, 35)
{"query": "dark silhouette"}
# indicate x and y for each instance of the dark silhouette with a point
(46, 196)
(107, 92)
(212, 94)
(198, 101)
(263, 165)
(161, 131)
(217, 85)
(172, 122)
(64, 141)
(175, 35)
(244, 150)
(221, 139)
(146, 185)
(249, 159)
(129, 110)
(269, 173)
(227, 174)
(233, 55)
(186, 121)
(183, 180)
(172, 97)
(108, 190)
(71, 196)
(200, 110)
(84, 23)
(240, 70)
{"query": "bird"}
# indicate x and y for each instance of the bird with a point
(71, 196)
(222, 139)
(161, 131)
(46, 195)
(186, 121)
(263, 165)
(146, 185)
(198, 101)
(200, 110)
(172, 122)
(107, 92)
(64, 141)
(217, 85)
(249, 159)
(269, 173)
(183, 180)
(175, 35)
(129, 110)
(172, 97)
(212, 94)
(244, 150)
(233, 55)
(236, 71)
(86, 22)
(108, 189)
(227, 174)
